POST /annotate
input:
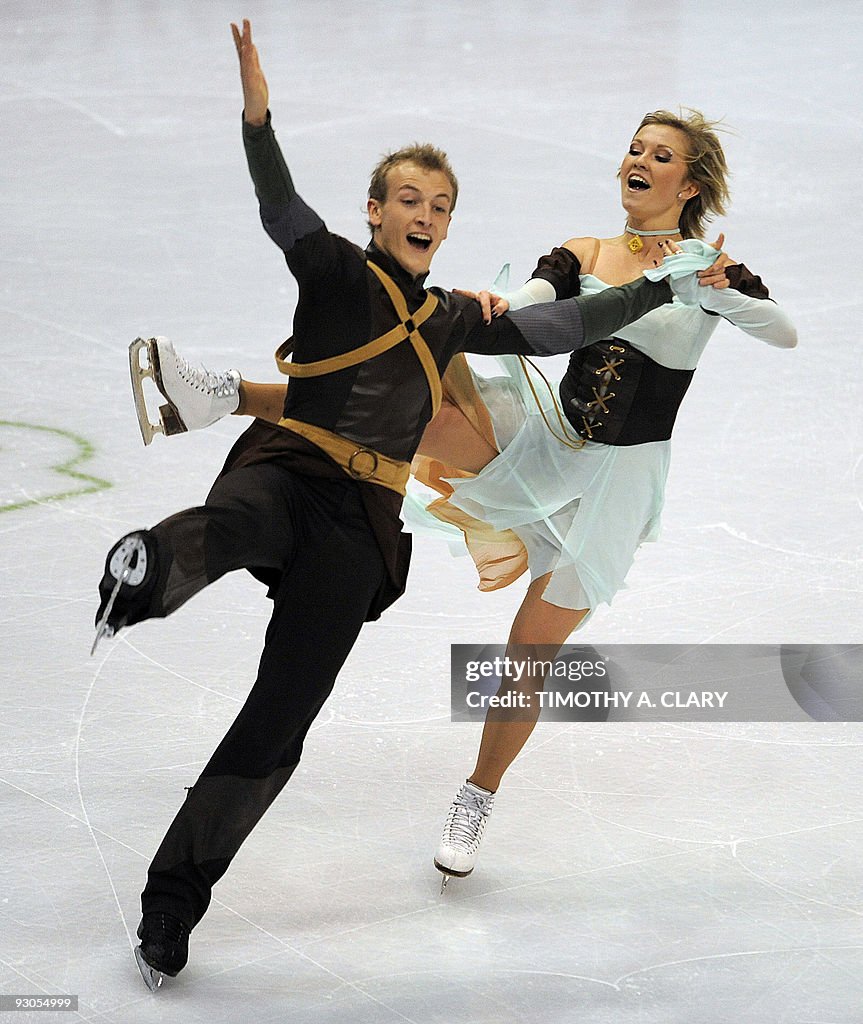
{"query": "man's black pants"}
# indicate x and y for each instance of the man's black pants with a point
(315, 534)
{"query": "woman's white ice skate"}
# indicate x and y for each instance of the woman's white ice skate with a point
(194, 396)
(462, 832)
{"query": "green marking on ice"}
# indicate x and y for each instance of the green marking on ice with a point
(85, 451)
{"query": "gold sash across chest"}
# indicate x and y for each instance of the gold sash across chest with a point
(360, 462)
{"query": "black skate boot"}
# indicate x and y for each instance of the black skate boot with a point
(130, 572)
(164, 948)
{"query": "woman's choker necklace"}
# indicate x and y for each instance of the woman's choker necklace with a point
(635, 244)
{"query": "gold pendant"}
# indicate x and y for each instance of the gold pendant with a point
(635, 244)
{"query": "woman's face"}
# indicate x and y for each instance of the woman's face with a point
(654, 175)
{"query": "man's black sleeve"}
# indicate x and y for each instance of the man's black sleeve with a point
(287, 219)
(551, 328)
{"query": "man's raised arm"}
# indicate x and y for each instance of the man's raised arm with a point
(256, 95)
(286, 218)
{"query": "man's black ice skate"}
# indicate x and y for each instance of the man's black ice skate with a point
(129, 567)
(164, 948)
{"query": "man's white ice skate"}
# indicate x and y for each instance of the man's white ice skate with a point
(462, 832)
(194, 396)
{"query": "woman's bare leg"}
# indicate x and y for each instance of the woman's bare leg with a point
(451, 438)
(538, 631)
(265, 401)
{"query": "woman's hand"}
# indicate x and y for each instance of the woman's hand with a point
(492, 305)
(256, 96)
(714, 276)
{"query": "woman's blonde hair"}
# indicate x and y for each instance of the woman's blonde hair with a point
(707, 167)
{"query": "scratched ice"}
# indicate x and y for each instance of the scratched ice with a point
(632, 872)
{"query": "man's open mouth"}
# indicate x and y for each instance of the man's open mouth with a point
(419, 241)
(637, 183)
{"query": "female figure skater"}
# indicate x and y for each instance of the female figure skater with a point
(572, 496)
(564, 481)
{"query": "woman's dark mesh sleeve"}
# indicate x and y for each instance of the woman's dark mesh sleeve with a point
(742, 280)
(561, 269)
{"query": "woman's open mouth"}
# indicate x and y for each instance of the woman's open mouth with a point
(636, 183)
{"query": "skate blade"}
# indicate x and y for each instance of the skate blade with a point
(103, 629)
(152, 977)
(169, 420)
(448, 874)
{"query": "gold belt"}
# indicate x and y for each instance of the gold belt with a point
(356, 460)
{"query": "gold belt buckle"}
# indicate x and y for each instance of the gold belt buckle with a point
(359, 474)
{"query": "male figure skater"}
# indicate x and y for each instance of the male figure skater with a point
(311, 505)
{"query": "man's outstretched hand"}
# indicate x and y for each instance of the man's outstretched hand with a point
(256, 96)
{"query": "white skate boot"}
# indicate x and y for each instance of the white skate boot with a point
(195, 396)
(463, 832)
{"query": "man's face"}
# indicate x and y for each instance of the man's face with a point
(413, 220)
